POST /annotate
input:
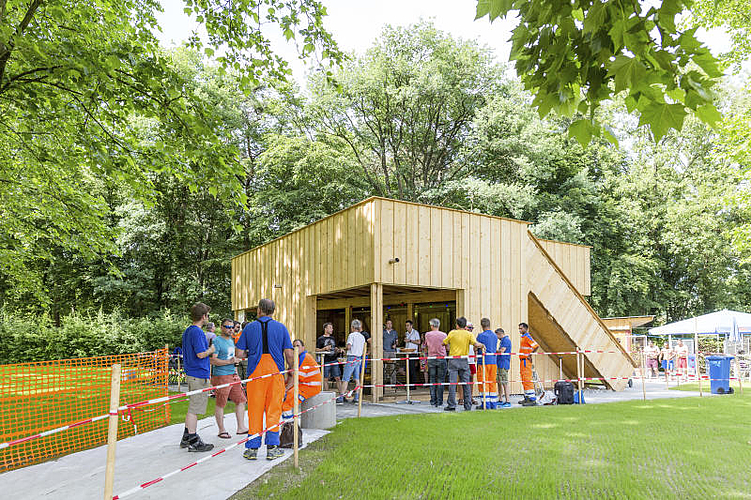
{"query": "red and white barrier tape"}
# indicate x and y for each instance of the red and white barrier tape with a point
(145, 485)
(163, 399)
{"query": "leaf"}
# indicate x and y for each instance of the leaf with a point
(629, 72)
(708, 114)
(595, 17)
(581, 130)
(661, 117)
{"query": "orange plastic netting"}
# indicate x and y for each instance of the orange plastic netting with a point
(35, 397)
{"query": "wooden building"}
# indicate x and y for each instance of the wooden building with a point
(386, 259)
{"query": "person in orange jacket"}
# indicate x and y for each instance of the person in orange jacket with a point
(310, 383)
(527, 346)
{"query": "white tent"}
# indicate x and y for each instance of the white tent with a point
(720, 322)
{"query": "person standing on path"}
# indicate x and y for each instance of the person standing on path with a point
(527, 346)
(266, 344)
(390, 340)
(412, 341)
(459, 341)
(224, 372)
(309, 383)
(196, 352)
(487, 368)
(436, 367)
(681, 355)
(332, 368)
(355, 352)
(503, 360)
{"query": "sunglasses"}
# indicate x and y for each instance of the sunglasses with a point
(227, 326)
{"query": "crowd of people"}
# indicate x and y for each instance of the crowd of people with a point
(258, 350)
(483, 367)
(672, 360)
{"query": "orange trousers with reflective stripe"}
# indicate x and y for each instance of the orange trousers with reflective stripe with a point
(265, 398)
(305, 393)
(525, 369)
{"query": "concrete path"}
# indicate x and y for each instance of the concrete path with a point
(654, 390)
(148, 456)
(143, 458)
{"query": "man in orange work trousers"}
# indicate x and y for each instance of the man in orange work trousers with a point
(527, 346)
(310, 381)
(266, 344)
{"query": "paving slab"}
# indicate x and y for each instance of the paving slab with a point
(145, 457)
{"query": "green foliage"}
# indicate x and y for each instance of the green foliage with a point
(732, 15)
(29, 338)
(405, 108)
(573, 56)
(90, 105)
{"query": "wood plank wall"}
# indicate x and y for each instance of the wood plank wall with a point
(332, 254)
(574, 260)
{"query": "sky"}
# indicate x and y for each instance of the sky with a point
(355, 24)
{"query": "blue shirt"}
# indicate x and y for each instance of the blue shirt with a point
(225, 349)
(504, 360)
(490, 340)
(194, 341)
(251, 340)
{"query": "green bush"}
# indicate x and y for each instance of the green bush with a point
(36, 338)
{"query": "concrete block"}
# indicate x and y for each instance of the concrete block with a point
(323, 417)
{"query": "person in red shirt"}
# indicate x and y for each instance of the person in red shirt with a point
(527, 346)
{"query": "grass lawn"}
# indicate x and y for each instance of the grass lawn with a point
(671, 448)
(693, 386)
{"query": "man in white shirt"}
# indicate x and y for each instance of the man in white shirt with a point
(412, 341)
(355, 353)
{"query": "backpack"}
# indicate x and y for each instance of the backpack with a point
(287, 435)
(564, 393)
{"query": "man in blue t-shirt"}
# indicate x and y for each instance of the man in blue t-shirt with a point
(504, 365)
(267, 345)
(486, 367)
(196, 354)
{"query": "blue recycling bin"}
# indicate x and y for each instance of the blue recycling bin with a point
(719, 374)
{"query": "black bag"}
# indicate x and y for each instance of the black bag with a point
(564, 393)
(287, 435)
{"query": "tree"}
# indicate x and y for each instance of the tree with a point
(80, 83)
(405, 108)
(575, 55)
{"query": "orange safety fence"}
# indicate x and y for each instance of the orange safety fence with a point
(36, 397)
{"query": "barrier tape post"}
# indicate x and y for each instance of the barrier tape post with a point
(406, 362)
(643, 375)
(698, 371)
(579, 373)
(738, 374)
(362, 378)
(295, 409)
(484, 382)
(109, 475)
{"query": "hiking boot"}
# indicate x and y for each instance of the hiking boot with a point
(199, 445)
(251, 453)
(185, 441)
(273, 452)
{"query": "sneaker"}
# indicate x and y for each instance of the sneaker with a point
(450, 408)
(340, 400)
(251, 453)
(507, 404)
(199, 445)
(273, 452)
